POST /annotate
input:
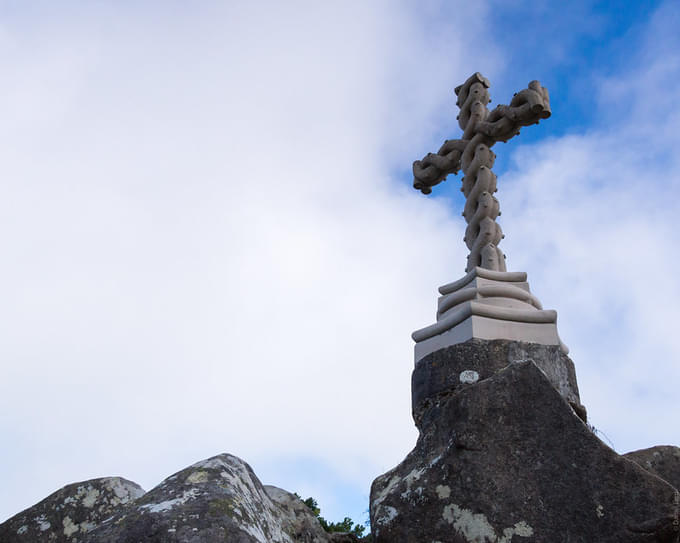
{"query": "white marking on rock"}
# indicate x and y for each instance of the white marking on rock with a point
(414, 476)
(124, 492)
(90, 497)
(435, 460)
(258, 514)
(599, 511)
(22, 530)
(255, 504)
(410, 479)
(386, 515)
(213, 463)
(393, 482)
(443, 491)
(169, 504)
(70, 527)
(43, 523)
(520, 528)
(475, 527)
(469, 376)
(197, 477)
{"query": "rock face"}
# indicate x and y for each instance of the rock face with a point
(446, 370)
(298, 520)
(506, 458)
(71, 513)
(216, 500)
(219, 499)
(662, 460)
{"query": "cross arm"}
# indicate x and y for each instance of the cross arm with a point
(502, 123)
(434, 167)
(526, 107)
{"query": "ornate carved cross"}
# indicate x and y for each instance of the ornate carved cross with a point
(481, 130)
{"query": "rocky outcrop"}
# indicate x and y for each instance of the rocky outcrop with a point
(297, 519)
(216, 500)
(662, 460)
(506, 458)
(219, 499)
(68, 515)
(446, 370)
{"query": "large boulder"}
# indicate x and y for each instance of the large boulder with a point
(216, 500)
(506, 458)
(69, 514)
(446, 370)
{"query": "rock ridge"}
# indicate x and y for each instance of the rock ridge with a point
(215, 500)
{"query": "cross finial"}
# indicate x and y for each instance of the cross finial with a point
(481, 130)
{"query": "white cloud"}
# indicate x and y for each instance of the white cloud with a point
(203, 248)
(592, 218)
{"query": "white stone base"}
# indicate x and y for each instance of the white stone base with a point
(485, 328)
(487, 304)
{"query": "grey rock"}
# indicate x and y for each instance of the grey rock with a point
(506, 459)
(216, 500)
(298, 520)
(445, 371)
(662, 460)
(70, 513)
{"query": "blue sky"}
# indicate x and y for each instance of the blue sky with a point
(211, 243)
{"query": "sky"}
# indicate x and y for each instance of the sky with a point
(210, 242)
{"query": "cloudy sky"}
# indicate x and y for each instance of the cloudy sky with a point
(210, 242)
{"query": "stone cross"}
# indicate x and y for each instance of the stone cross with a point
(481, 130)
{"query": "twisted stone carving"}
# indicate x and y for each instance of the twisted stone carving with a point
(481, 130)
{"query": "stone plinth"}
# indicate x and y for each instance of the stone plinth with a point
(487, 304)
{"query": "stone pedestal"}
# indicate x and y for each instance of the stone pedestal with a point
(488, 304)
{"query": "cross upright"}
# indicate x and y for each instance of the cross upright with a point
(472, 153)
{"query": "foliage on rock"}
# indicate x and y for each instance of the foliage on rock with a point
(347, 525)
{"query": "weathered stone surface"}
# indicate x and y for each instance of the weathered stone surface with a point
(451, 368)
(506, 459)
(662, 460)
(298, 520)
(70, 513)
(300, 523)
(216, 500)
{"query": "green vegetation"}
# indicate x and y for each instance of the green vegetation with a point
(346, 525)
